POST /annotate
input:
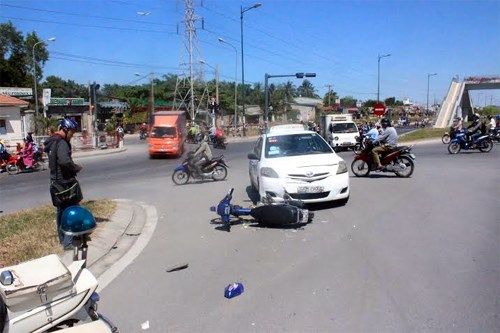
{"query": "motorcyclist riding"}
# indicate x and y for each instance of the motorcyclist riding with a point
(474, 129)
(202, 155)
(372, 134)
(388, 140)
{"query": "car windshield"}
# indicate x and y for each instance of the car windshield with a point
(344, 128)
(163, 132)
(296, 144)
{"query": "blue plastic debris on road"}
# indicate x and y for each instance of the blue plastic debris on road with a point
(233, 290)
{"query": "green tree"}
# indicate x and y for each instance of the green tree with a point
(16, 64)
(329, 98)
(306, 89)
(64, 88)
(348, 101)
(390, 101)
(369, 103)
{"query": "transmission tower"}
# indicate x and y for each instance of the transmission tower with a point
(191, 75)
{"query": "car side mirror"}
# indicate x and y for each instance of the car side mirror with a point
(252, 156)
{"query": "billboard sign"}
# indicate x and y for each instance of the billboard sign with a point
(46, 96)
(16, 92)
(57, 101)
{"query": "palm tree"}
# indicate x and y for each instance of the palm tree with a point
(307, 89)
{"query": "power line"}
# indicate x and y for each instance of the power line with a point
(111, 61)
(89, 26)
(85, 15)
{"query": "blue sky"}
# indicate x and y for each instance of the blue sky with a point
(338, 40)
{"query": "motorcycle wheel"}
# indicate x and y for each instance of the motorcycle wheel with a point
(446, 138)
(180, 177)
(486, 146)
(219, 173)
(409, 167)
(360, 168)
(454, 148)
(12, 169)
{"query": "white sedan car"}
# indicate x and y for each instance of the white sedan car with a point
(299, 162)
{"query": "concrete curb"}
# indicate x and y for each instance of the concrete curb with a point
(420, 142)
(98, 152)
(117, 242)
(130, 245)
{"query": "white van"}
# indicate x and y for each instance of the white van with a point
(339, 130)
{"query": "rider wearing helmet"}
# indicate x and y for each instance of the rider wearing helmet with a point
(62, 168)
(203, 154)
(388, 140)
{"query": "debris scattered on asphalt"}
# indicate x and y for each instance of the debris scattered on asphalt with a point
(233, 290)
(253, 324)
(145, 325)
(202, 237)
(304, 240)
(354, 226)
(245, 226)
(177, 267)
(294, 230)
(324, 221)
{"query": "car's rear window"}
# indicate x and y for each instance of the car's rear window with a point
(163, 132)
(295, 145)
(343, 128)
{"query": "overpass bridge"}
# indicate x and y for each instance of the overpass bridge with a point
(458, 101)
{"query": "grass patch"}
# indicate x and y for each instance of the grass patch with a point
(423, 133)
(30, 234)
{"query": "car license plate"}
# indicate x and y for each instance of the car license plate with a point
(346, 143)
(310, 189)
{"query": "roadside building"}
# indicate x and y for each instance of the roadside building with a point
(13, 119)
(306, 107)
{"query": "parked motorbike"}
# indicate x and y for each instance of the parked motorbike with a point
(484, 143)
(44, 294)
(216, 169)
(289, 213)
(400, 161)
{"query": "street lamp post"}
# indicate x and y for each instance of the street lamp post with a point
(235, 81)
(428, 79)
(242, 11)
(266, 92)
(378, 75)
(34, 71)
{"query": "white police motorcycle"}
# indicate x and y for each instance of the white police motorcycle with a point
(46, 295)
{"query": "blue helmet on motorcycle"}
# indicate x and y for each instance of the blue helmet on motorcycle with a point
(68, 124)
(77, 220)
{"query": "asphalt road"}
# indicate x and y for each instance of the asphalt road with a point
(403, 255)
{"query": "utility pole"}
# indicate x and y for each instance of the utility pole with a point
(329, 93)
(151, 100)
(378, 74)
(428, 77)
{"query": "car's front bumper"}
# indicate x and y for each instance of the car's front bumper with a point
(335, 187)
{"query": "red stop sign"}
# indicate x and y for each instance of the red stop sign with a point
(379, 109)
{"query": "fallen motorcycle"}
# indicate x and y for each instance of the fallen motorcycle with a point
(44, 294)
(216, 169)
(288, 213)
